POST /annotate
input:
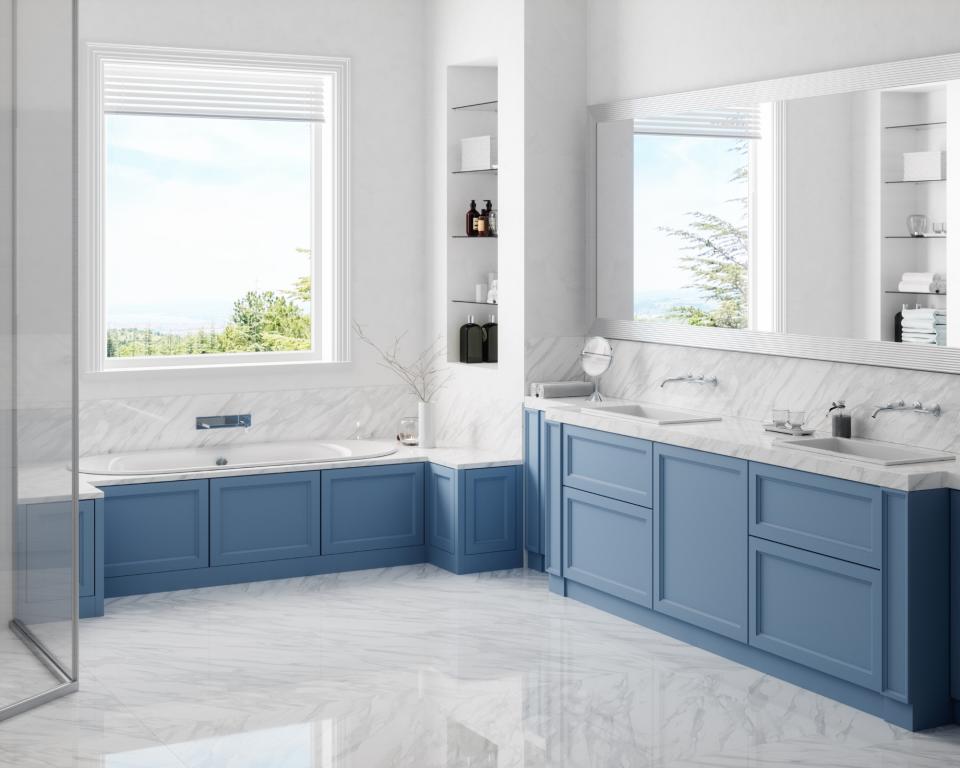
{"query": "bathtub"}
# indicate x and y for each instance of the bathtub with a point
(224, 457)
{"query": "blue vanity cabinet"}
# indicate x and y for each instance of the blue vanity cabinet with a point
(257, 518)
(474, 518)
(551, 490)
(90, 562)
(533, 522)
(369, 508)
(607, 545)
(700, 539)
(156, 527)
(955, 602)
(607, 464)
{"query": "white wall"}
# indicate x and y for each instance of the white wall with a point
(481, 405)
(647, 47)
(385, 42)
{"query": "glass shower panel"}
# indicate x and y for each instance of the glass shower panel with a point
(38, 509)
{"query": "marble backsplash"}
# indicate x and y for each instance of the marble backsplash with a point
(136, 424)
(751, 385)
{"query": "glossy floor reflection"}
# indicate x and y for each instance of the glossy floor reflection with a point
(417, 667)
(21, 673)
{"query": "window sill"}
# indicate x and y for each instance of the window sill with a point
(218, 378)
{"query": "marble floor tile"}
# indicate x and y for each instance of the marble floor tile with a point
(417, 667)
(21, 673)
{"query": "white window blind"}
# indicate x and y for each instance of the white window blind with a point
(735, 123)
(201, 90)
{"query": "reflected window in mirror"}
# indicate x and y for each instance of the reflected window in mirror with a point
(693, 220)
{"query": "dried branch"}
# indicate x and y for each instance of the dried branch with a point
(425, 376)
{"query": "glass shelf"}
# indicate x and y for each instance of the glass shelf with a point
(911, 237)
(915, 125)
(478, 303)
(479, 170)
(917, 293)
(919, 181)
(479, 106)
(474, 237)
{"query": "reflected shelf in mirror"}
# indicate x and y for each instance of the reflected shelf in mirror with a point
(918, 293)
(917, 181)
(478, 106)
(477, 170)
(478, 303)
(914, 237)
(916, 126)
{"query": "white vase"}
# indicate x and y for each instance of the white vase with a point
(425, 414)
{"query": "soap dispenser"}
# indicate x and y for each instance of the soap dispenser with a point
(841, 423)
(471, 342)
(472, 216)
(490, 331)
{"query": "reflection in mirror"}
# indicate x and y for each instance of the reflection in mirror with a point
(823, 216)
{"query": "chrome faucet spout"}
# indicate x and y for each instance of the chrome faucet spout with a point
(689, 378)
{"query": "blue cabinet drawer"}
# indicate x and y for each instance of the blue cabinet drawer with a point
(492, 511)
(608, 545)
(87, 549)
(156, 527)
(367, 508)
(700, 539)
(818, 611)
(832, 517)
(610, 465)
(264, 517)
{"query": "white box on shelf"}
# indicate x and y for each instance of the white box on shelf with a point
(478, 153)
(924, 166)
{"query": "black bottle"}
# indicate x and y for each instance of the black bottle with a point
(471, 342)
(472, 215)
(490, 331)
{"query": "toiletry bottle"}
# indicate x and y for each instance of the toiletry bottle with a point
(492, 223)
(490, 330)
(484, 221)
(841, 423)
(471, 342)
(472, 215)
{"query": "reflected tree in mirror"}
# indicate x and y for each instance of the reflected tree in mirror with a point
(716, 255)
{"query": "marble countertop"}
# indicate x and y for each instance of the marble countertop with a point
(454, 458)
(45, 483)
(746, 439)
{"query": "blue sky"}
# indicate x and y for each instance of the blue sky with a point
(674, 175)
(198, 211)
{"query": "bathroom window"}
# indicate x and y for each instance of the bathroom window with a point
(218, 232)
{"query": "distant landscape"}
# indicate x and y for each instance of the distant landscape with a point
(261, 321)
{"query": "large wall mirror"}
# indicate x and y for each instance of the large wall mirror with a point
(809, 216)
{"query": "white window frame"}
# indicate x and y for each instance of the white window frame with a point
(331, 206)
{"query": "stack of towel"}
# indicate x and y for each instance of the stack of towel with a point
(924, 325)
(922, 282)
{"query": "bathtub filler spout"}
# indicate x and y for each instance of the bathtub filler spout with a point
(225, 422)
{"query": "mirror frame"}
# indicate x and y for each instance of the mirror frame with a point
(863, 352)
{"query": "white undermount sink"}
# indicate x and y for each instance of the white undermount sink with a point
(650, 414)
(871, 451)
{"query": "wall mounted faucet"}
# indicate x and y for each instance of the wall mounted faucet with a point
(691, 379)
(225, 422)
(900, 405)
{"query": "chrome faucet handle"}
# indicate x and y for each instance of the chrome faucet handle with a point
(933, 410)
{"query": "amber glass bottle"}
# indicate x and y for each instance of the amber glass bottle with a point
(472, 215)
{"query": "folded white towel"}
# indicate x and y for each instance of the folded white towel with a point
(921, 277)
(926, 341)
(924, 312)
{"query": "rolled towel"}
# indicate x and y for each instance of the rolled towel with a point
(921, 277)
